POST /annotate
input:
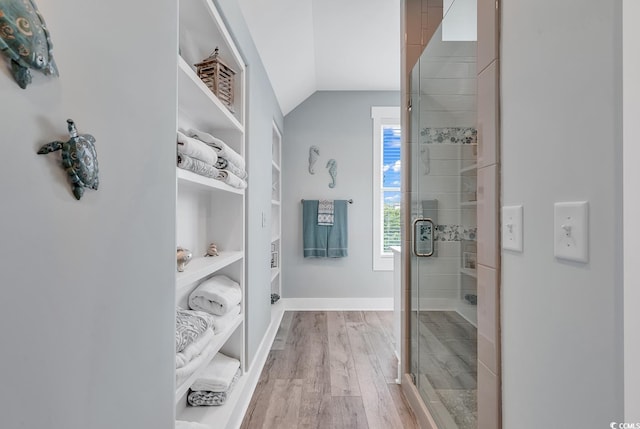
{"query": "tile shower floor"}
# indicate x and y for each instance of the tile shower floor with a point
(447, 377)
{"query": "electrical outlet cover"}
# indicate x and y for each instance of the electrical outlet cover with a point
(571, 231)
(512, 228)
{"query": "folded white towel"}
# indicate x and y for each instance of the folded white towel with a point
(190, 324)
(221, 147)
(221, 323)
(183, 373)
(199, 167)
(217, 295)
(196, 149)
(194, 349)
(218, 375)
(231, 179)
(190, 425)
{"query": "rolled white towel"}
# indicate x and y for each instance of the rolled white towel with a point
(231, 179)
(216, 295)
(221, 147)
(196, 149)
(223, 164)
(218, 375)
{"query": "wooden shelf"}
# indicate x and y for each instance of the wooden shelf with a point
(274, 239)
(186, 177)
(218, 342)
(275, 202)
(201, 267)
(199, 105)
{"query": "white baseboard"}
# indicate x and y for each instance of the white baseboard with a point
(338, 304)
(253, 373)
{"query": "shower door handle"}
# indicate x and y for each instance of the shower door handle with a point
(423, 237)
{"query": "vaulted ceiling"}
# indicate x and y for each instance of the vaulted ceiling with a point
(312, 45)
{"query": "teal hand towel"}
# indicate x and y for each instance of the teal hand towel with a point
(338, 234)
(314, 236)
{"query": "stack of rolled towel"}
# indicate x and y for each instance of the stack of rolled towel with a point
(220, 297)
(216, 382)
(194, 341)
(209, 156)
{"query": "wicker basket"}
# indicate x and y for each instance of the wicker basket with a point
(218, 77)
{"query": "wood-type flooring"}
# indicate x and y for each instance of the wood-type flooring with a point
(331, 370)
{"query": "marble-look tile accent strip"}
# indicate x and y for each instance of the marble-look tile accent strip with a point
(449, 135)
(455, 232)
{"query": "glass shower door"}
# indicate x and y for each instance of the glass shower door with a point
(443, 212)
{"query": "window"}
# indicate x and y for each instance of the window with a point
(386, 185)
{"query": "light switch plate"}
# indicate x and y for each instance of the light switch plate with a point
(571, 231)
(512, 228)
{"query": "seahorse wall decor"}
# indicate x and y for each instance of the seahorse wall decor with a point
(332, 165)
(314, 153)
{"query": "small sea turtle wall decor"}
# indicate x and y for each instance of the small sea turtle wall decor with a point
(25, 40)
(79, 159)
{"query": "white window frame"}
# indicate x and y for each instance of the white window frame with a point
(381, 115)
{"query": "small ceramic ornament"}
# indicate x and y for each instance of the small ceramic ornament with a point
(25, 40)
(212, 250)
(332, 165)
(79, 159)
(274, 298)
(184, 257)
(314, 153)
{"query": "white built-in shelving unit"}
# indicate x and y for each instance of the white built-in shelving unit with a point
(208, 210)
(276, 211)
(468, 247)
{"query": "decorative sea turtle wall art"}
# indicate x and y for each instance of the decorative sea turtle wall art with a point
(79, 159)
(25, 40)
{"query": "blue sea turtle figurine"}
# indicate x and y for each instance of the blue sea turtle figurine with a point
(25, 40)
(79, 159)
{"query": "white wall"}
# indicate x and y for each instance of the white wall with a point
(561, 141)
(262, 110)
(631, 210)
(87, 295)
(340, 124)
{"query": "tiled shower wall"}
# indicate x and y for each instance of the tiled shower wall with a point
(420, 19)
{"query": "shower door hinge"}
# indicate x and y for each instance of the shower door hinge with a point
(409, 105)
(413, 378)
